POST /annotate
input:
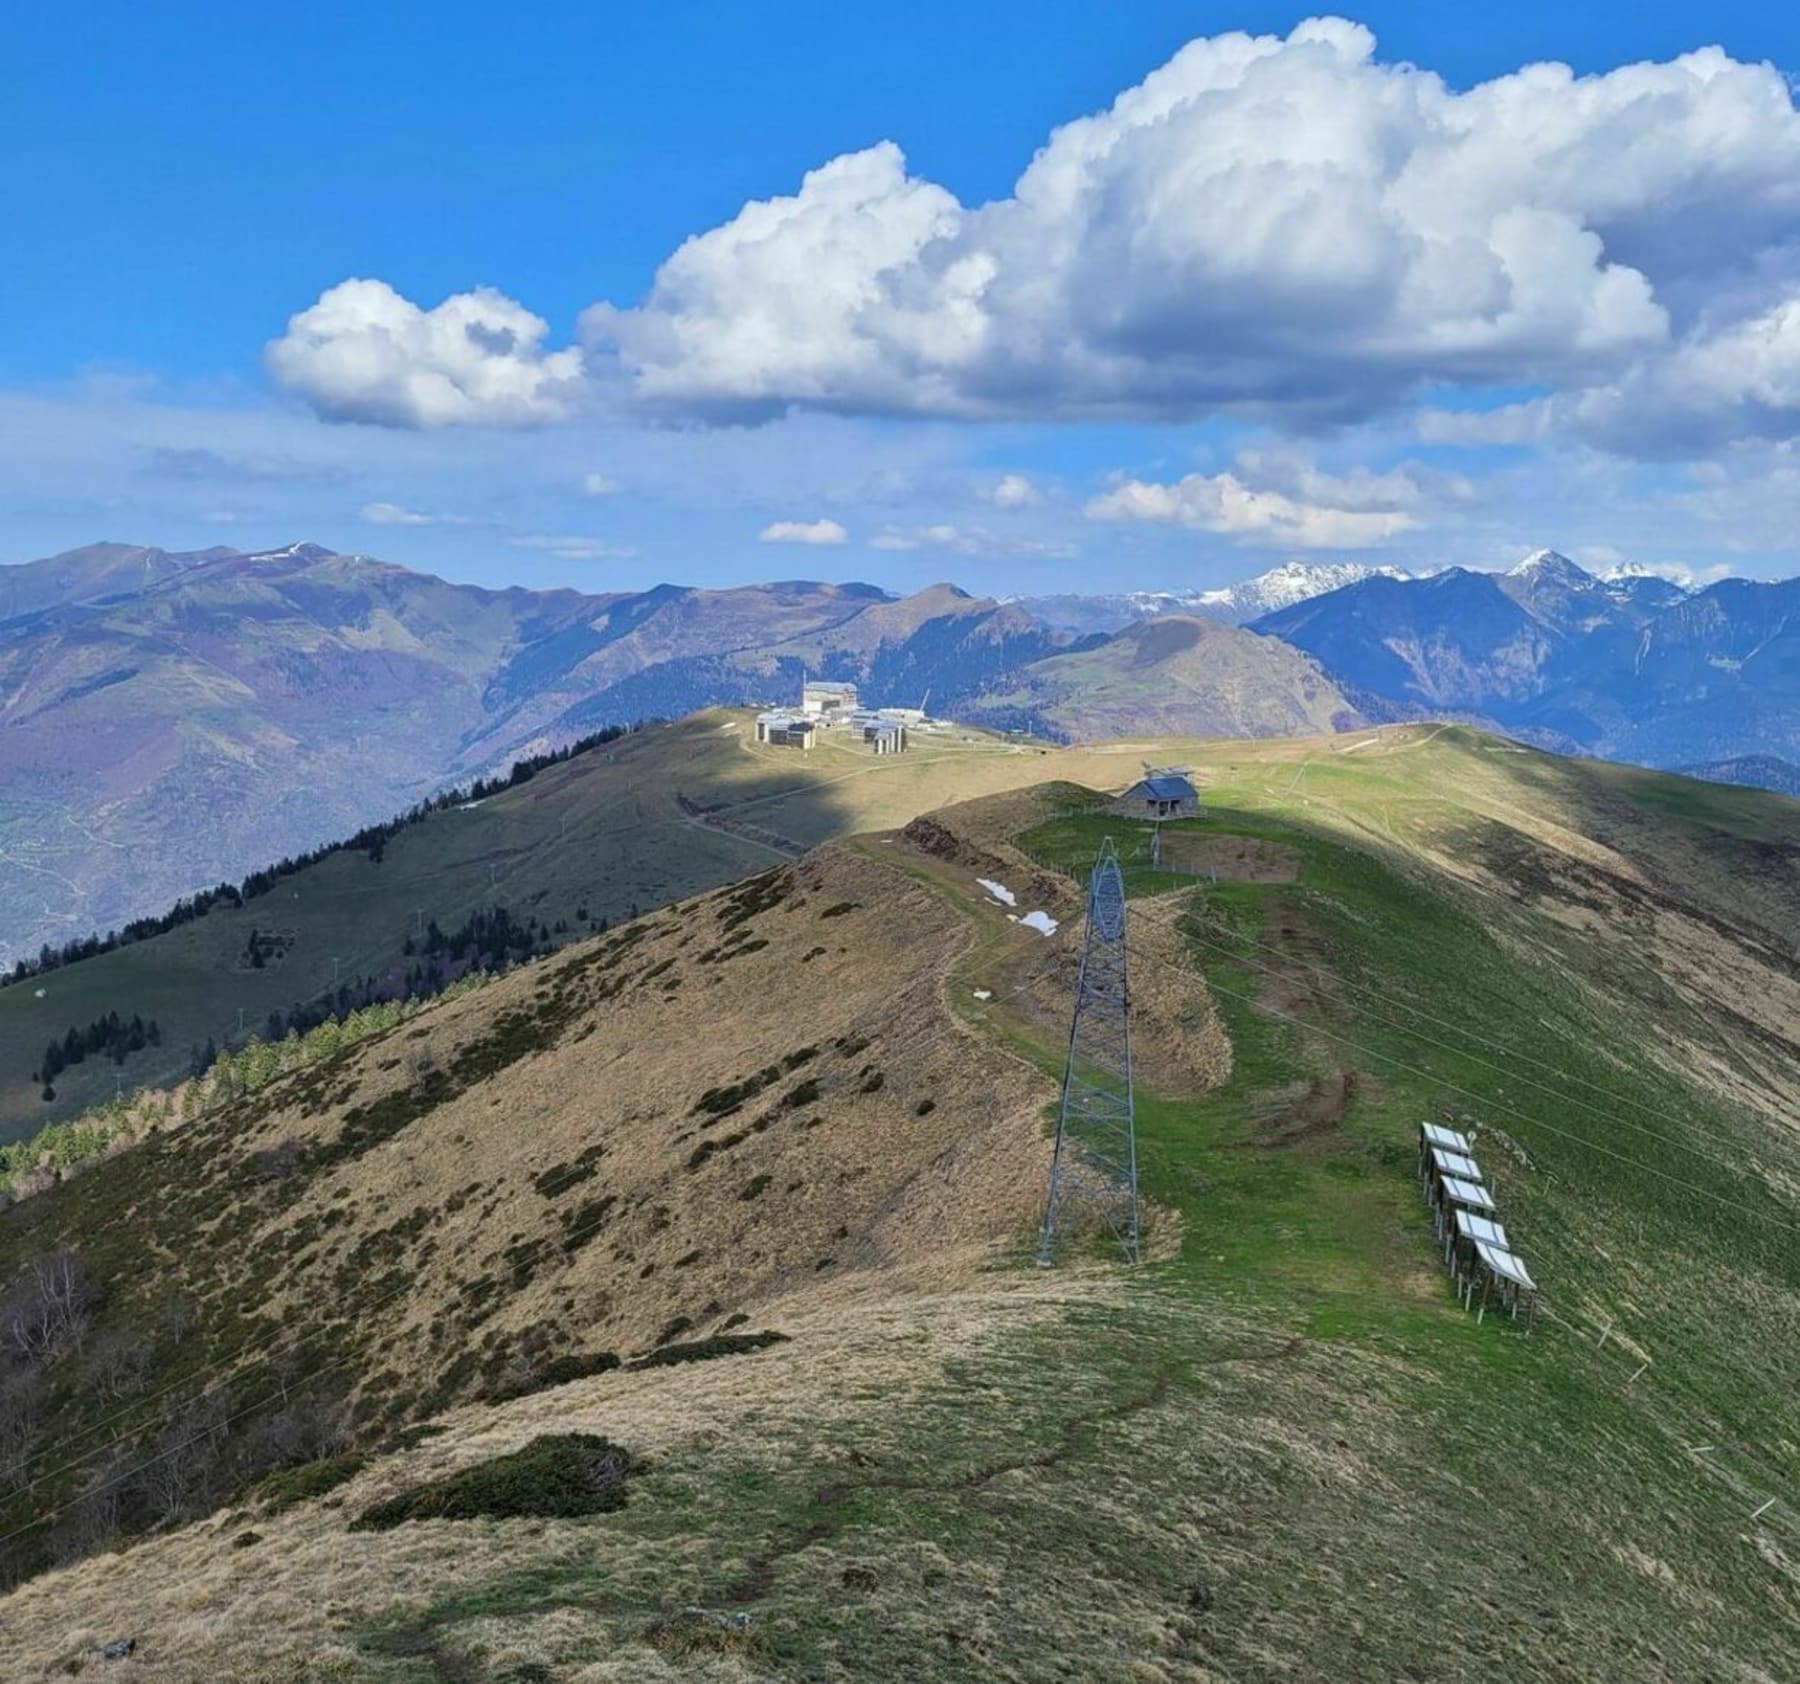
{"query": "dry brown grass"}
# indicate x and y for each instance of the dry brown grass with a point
(205, 1613)
(626, 1076)
(863, 1222)
(885, 1160)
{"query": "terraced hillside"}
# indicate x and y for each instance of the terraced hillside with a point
(1277, 1451)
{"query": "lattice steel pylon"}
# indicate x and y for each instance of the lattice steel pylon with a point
(1095, 1165)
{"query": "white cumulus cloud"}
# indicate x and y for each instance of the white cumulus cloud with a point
(803, 532)
(1273, 228)
(1353, 513)
(364, 353)
(1264, 226)
(1013, 491)
(395, 514)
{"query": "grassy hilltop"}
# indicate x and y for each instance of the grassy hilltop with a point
(556, 1206)
(604, 833)
(620, 829)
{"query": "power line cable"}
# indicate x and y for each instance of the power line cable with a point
(223, 1365)
(579, 1230)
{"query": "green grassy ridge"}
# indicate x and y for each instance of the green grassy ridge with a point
(1363, 1482)
(1286, 1452)
(1620, 1220)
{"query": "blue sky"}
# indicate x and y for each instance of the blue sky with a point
(1323, 304)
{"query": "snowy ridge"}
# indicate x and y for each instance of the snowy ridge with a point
(1282, 587)
(1249, 599)
(1235, 604)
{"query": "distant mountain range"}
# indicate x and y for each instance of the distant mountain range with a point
(1235, 605)
(1631, 667)
(169, 720)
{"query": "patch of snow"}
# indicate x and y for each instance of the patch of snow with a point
(1671, 573)
(984, 994)
(38, 994)
(1041, 921)
(469, 806)
(1282, 587)
(1550, 564)
(999, 891)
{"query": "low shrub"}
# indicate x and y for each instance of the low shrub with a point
(558, 1476)
(702, 1350)
(558, 1371)
(311, 1479)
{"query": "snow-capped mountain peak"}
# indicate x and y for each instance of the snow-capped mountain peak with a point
(1237, 604)
(1550, 564)
(1293, 582)
(1629, 572)
(1283, 586)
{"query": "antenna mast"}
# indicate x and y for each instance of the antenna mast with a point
(1095, 1162)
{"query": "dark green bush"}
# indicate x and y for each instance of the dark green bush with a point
(701, 1350)
(558, 1371)
(311, 1479)
(558, 1476)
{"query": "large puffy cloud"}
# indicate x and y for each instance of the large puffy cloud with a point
(1271, 228)
(1266, 227)
(1735, 382)
(364, 353)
